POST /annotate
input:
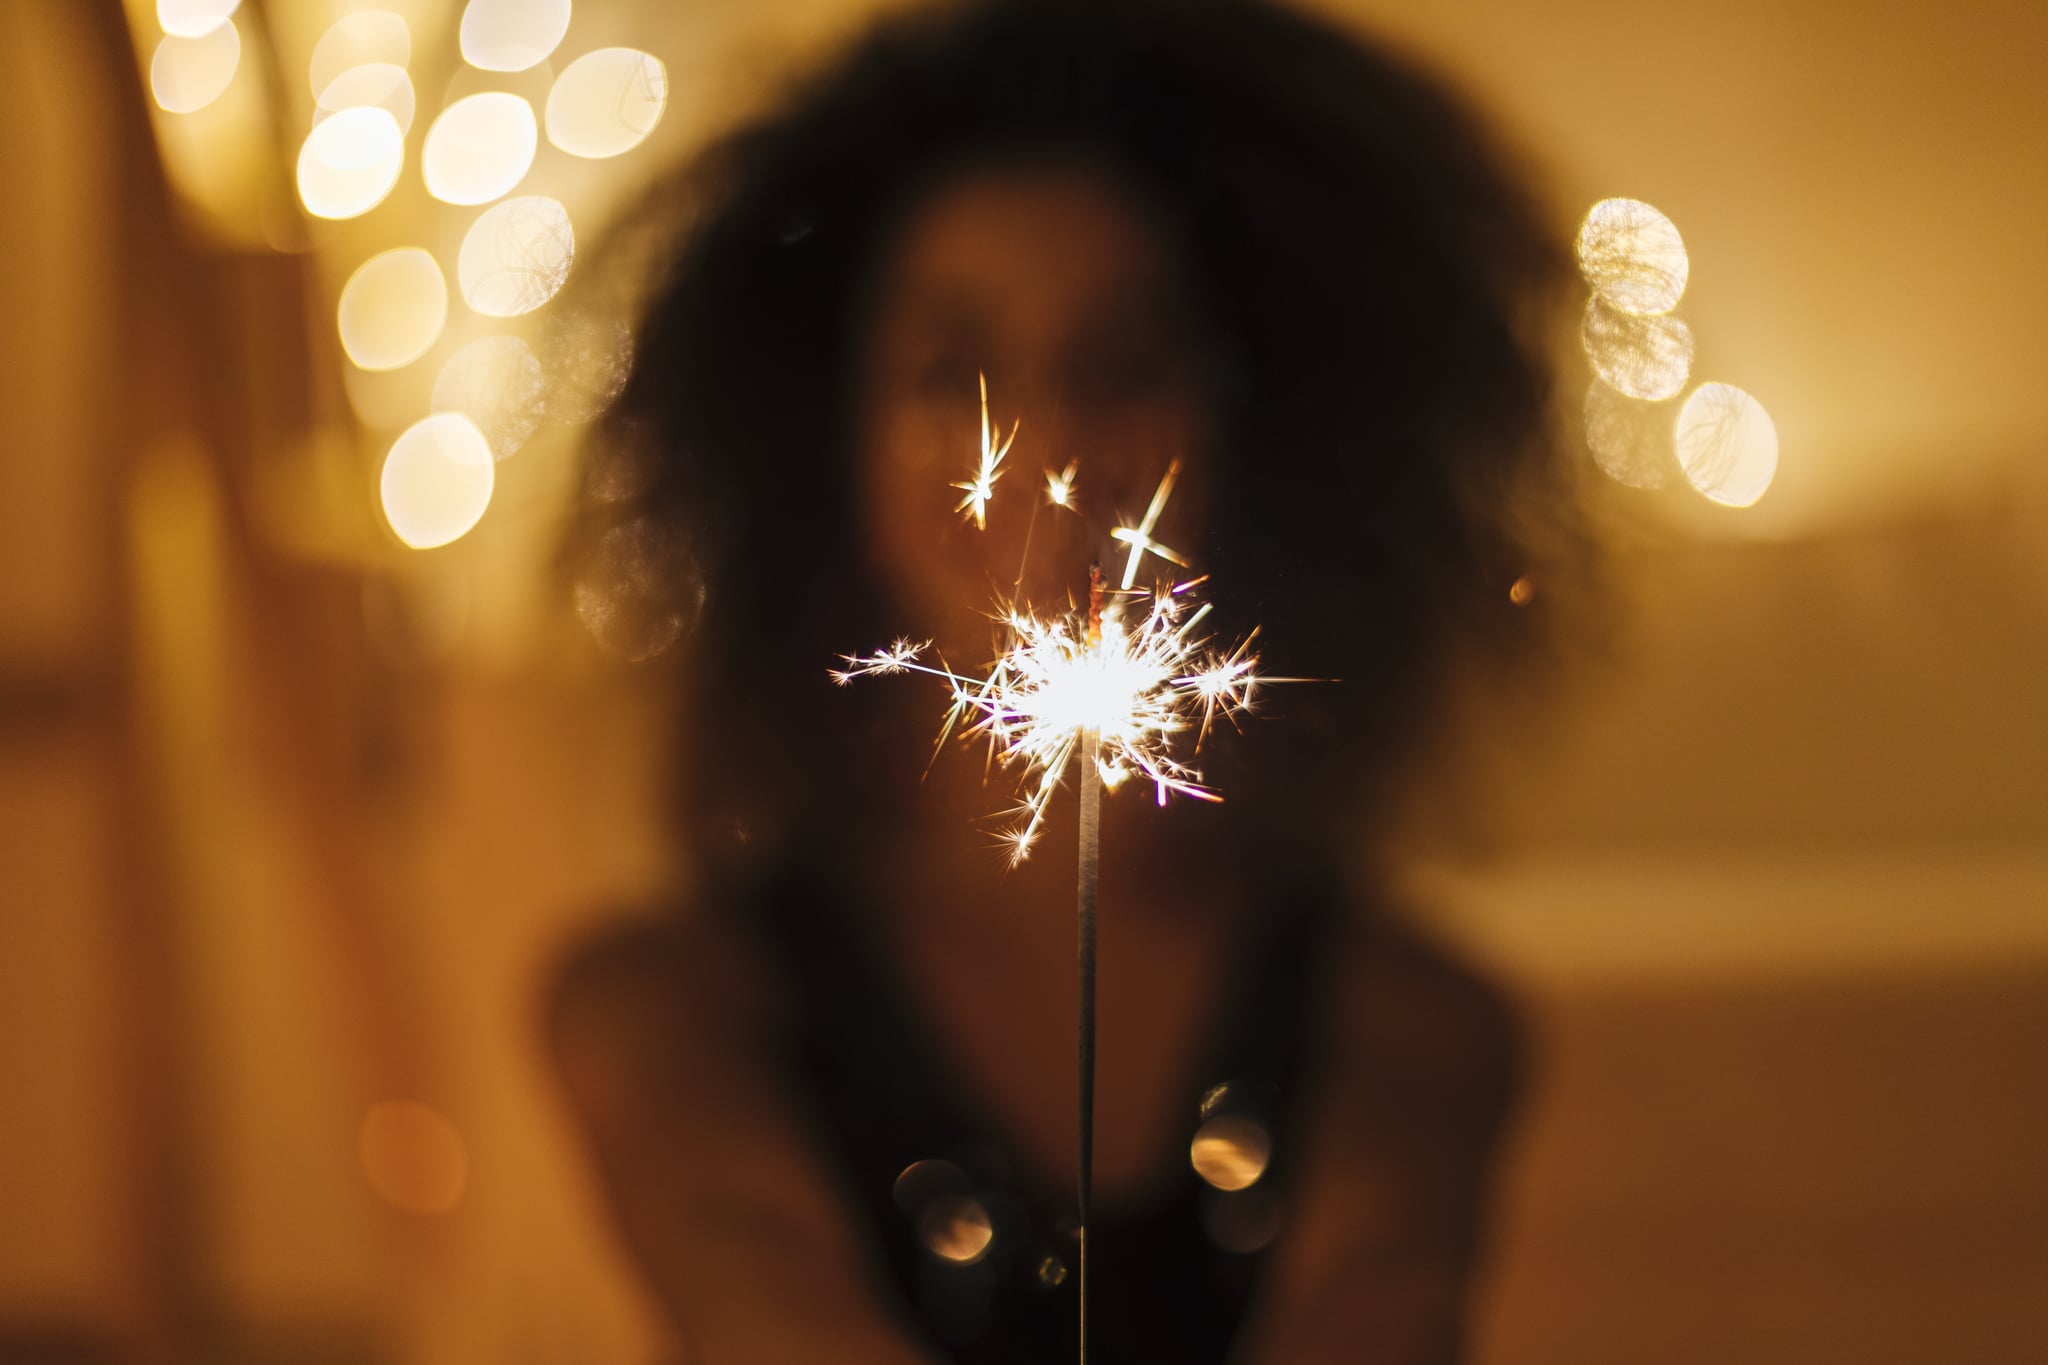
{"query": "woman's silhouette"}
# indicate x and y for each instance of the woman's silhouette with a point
(832, 1098)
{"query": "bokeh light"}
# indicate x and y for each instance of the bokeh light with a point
(589, 357)
(437, 480)
(1230, 1151)
(511, 35)
(1243, 1222)
(392, 309)
(641, 590)
(1629, 437)
(617, 467)
(350, 162)
(606, 102)
(479, 148)
(1643, 357)
(1727, 444)
(530, 85)
(379, 85)
(187, 74)
(413, 1157)
(497, 383)
(1633, 257)
(923, 1181)
(193, 18)
(370, 37)
(956, 1229)
(515, 256)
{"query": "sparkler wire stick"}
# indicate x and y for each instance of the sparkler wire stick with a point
(1088, 881)
(1090, 870)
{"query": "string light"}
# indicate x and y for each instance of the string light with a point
(187, 74)
(1727, 445)
(516, 256)
(1633, 257)
(606, 102)
(370, 37)
(349, 163)
(512, 35)
(193, 18)
(437, 480)
(379, 85)
(392, 309)
(479, 148)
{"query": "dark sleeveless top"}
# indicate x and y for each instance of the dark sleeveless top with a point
(984, 1260)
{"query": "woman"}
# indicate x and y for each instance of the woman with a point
(834, 1102)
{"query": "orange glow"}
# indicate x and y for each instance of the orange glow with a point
(1231, 1152)
(412, 1157)
(956, 1229)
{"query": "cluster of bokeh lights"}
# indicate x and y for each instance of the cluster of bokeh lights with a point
(394, 310)
(1721, 440)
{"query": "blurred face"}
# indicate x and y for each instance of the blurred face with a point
(1053, 283)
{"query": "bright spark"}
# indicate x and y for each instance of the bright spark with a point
(1139, 537)
(1121, 701)
(982, 486)
(1059, 488)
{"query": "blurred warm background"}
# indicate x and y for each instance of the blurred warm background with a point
(297, 801)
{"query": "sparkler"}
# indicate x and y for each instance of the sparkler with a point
(1087, 690)
(1117, 696)
(982, 486)
(1059, 488)
(1139, 537)
(1091, 690)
